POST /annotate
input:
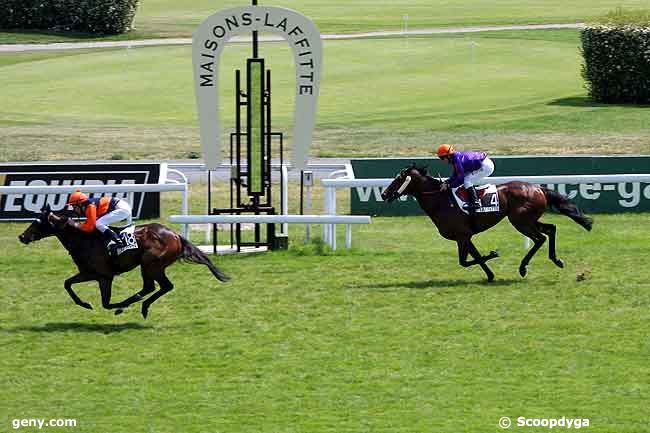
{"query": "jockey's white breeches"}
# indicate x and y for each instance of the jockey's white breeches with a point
(477, 177)
(121, 212)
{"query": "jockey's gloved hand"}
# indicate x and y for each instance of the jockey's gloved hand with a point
(444, 186)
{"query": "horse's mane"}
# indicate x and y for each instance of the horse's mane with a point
(424, 172)
(71, 233)
(422, 169)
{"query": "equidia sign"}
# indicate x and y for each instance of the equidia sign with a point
(24, 206)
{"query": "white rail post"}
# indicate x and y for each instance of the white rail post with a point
(308, 210)
(285, 198)
(185, 210)
(326, 237)
(307, 181)
(333, 212)
(184, 197)
(348, 236)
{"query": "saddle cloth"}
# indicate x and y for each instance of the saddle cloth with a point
(128, 237)
(487, 195)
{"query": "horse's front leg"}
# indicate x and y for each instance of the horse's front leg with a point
(463, 251)
(465, 247)
(482, 259)
(79, 278)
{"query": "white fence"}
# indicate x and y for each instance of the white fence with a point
(348, 220)
(331, 185)
(90, 189)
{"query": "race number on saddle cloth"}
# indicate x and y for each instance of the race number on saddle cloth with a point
(127, 235)
(487, 195)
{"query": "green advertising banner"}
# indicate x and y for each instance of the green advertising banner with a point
(592, 197)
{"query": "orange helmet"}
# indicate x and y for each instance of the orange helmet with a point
(445, 150)
(77, 198)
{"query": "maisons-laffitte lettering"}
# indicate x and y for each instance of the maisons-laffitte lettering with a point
(221, 34)
(293, 33)
(305, 65)
(207, 66)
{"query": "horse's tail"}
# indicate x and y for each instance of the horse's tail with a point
(192, 254)
(563, 205)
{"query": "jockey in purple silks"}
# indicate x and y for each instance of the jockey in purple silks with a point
(470, 169)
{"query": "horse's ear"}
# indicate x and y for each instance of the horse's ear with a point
(423, 169)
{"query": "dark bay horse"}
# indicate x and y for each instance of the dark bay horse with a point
(158, 247)
(523, 204)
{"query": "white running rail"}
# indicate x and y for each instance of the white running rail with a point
(278, 219)
(130, 188)
(331, 185)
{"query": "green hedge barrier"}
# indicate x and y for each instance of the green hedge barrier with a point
(616, 53)
(106, 17)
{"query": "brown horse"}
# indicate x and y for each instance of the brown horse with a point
(158, 247)
(521, 202)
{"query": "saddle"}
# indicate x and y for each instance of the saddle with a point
(126, 233)
(487, 195)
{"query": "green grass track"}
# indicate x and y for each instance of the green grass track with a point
(393, 336)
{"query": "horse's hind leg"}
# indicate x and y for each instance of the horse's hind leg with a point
(550, 230)
(533, 232)
(148, 286)
(165, 287)
(105, 288)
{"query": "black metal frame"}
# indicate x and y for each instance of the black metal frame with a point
(250, 202)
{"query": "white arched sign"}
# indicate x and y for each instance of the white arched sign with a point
(207, 45)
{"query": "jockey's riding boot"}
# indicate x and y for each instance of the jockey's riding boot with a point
(110, 235)
(474, 202)
(472, 206)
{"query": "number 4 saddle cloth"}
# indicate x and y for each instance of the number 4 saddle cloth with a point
(487, 195)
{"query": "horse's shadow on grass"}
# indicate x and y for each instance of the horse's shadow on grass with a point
(438, 284)
(81, 327)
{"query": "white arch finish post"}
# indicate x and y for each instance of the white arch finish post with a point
(208, 43)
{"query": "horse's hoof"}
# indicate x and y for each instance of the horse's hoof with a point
(523, 271)
(559, 263)
(494, 254)
(86, 305)
(119, 311)
(490, 278)
(145, 312)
